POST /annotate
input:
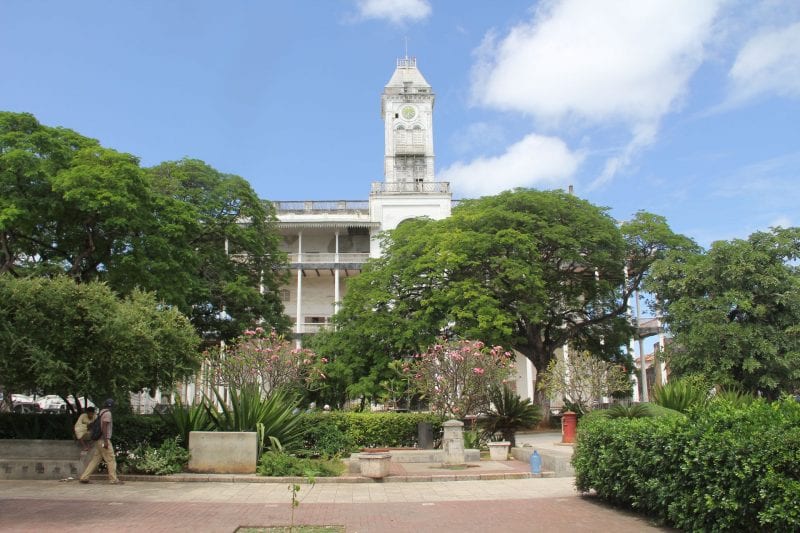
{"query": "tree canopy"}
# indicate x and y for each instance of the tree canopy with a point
(82, 340)
(734, 311)
(200, 239)
(529, 269)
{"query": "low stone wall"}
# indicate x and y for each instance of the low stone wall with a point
(223, 452)
(39, 459)
(415, 456)
(557, 463)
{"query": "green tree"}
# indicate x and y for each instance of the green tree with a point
(528, 269)
(734, 311)
(200, 239)
(235, 264)
(81, 340)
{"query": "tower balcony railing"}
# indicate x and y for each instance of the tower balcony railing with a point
(405, 149)
(382, 187)
(328, 258)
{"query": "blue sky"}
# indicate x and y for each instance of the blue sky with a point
(689, 109)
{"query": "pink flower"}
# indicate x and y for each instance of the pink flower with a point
(259, 330)
(324, 359)
(478, 371)
(249, 332)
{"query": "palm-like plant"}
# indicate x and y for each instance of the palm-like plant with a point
(189, 418)
(681, 395)
(509, 413)
(637, 410)
(250, 411)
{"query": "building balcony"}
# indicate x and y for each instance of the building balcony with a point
(322, 207)
(319, 260)
(401, 187)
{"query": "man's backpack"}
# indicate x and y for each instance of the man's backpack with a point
(95, 427)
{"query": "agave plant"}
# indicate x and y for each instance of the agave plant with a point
(250, 411)
(509, 414)
(637, 410)
(681, 395)
(189, 418)
(734, 396)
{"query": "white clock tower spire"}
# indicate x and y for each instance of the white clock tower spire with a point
(409, 189)
(407, 110)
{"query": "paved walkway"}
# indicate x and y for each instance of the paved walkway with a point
(510, 505)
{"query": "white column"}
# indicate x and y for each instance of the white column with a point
(299, 310)
(336, 297)
(642, 360)
(662, 344)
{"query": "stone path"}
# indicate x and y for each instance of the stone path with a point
(511, 505)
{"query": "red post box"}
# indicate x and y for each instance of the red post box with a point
(569, 427)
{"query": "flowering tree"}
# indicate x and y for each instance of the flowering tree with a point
(456, 376)
(583, 379)
(269, 360)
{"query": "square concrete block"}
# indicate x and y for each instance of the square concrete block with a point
(223, 452)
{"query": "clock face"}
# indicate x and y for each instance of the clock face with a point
(408, 112)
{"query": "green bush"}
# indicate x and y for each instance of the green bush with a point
(340, 433)
(280, 464)
(36, 426)
(722, 467)
(169, 458)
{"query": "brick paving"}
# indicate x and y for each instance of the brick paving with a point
(508, 505)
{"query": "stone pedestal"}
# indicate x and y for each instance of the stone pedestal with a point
(498, 451)
(453, 443)
(223, 452)
(374, 465)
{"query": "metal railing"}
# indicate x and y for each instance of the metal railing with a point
(328, 206)
(382, 187)
(319, 257)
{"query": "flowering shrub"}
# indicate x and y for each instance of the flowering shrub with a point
(456, 376)
(269, 360)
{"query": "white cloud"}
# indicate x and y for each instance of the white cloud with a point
(533, 161)
(395, 11)
(592, 63)
(614, 59)
(769, 63)
(782, 221)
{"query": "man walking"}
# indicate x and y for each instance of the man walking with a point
(103, 449)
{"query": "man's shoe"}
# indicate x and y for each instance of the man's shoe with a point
(116, 482)
(84, 481)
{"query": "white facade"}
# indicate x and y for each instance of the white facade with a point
(329, 241)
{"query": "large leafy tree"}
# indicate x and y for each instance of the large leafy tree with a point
(200, 239)
(528, 269)
(734, 311)
(235, 265)
(80, 339)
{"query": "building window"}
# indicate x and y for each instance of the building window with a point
(285, 295)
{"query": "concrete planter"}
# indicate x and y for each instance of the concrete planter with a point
(223, 452)
(374, 464)
(498, 451)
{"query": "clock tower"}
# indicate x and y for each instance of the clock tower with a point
(409, 189)
(407, 110)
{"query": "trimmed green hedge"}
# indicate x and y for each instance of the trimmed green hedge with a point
(130, 430)
(339, 433)
(720, 468)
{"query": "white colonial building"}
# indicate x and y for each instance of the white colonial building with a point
(329, 241)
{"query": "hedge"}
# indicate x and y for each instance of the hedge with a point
(344, 432)
(720, 468)
(325, 434)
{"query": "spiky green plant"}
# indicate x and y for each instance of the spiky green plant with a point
(734, 396)
(636, 410)
(189, 418)
(248, 410)
(681, 395)
(509, 413)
